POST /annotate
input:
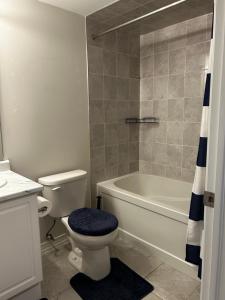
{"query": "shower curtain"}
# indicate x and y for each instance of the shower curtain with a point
(196, 214)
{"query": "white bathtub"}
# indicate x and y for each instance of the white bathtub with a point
(152, 210)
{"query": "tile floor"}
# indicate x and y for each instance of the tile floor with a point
(169, 283)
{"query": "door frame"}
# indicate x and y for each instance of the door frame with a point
(214, 259)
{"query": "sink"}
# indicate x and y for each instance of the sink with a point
(3, 182)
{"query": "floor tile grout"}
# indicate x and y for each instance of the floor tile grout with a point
(59, 266)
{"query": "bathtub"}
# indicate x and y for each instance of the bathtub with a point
(152, 211)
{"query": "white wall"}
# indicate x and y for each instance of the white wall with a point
(43, 88)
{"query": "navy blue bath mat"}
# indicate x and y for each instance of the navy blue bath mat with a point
(121, 284)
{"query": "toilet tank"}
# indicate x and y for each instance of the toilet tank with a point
(66, 191)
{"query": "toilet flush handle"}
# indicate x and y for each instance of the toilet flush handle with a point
(56, 188)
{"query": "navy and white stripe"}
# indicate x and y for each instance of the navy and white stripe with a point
(195, 232)
(196, 214)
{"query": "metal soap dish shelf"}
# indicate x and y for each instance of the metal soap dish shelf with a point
(151, 120)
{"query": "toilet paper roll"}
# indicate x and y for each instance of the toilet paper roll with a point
(44, 206)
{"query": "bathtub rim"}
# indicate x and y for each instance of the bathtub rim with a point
(109, 188)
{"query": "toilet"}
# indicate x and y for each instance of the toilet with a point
(90, 230)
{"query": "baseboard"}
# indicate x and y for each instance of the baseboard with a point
(165, 256)
(60, 241)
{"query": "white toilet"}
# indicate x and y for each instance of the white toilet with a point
(90, 230)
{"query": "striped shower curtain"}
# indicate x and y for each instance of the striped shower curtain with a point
(196, 214)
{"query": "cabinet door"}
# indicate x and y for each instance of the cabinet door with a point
(20, 256)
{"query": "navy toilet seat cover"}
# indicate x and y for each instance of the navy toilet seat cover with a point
(92, 222)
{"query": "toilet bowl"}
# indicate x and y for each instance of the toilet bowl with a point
(90, 254)
(90, 230)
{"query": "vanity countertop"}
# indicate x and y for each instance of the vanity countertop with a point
(13, 185)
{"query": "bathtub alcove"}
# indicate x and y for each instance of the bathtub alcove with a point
(153, 212)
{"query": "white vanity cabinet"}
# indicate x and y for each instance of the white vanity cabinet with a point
(20, 255)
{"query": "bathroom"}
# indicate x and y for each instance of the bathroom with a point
(106, 108)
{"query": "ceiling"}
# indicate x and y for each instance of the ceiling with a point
(82, 7)
(126, 10)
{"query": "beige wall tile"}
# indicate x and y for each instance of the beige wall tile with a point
(161, 64)
(161, 40)
(145, 167)
(160, 109)
(111, 134)
(145, 151)
(122, 88)
(168, 149)
(159, 153)
(176, 109)
(178, 36)
(193, 84)
(176, 86)
(134, 89)
(95, 60)
(147, 66)
(193, 109)
(122, 111)
(122, 41)
(133, 151)
(197, 57)
(159, 132)
(146, 109)
(123, 63)
(134, 66)
(174, 155)
(98, 158)
(134, 42)
(95, 87)
(160, 87)
(109, 63)
(146, 133)
(110, 41)
(188, 174)
(97, 112)
(123, 168)
(146, 88)
(159, 170)
(173, 172)
(147, 44)
(123, 153)
(97, 135)
(133, 166)
(177, 61)
(92, 28)
(134, 109)
(191, 134)
(181, 57)
(175, 133)
(196, 30)
(123, 133)
(111, 115)
(189, 157)
(111, 171)
(109, 88)
(111, 156)
(134, 133)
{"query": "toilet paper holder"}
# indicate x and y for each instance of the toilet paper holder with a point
(44, 206)
(43, 209)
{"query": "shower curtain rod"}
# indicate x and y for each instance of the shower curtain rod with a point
(95, 36)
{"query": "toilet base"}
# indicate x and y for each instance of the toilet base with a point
(93, 263)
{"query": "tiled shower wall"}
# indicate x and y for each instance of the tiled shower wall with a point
(172, 74)
(114, 94)
(172, 83)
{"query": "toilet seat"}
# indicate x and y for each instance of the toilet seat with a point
(92, 222)
(90, 254)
